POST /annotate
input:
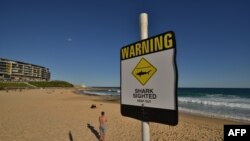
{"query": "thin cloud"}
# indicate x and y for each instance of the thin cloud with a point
(69, 39)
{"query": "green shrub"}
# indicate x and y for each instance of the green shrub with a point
(4, 85)
(52, 84)
(10, 85)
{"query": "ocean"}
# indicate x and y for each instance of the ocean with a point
(231, 103)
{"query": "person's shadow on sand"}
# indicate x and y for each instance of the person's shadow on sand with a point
(92, 129)
(70, 136)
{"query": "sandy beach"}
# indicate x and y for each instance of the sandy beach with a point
(64, 115)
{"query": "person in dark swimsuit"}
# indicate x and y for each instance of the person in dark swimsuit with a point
(102, 127)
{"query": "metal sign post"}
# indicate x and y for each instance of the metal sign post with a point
(144, 35)
(149, 79)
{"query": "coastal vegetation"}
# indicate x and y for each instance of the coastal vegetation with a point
(21, 85)
(12, 85)
(52, 84)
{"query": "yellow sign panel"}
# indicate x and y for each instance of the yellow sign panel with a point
(158, 43)
(143, 71)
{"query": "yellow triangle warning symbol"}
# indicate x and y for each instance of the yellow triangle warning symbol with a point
(143, 71)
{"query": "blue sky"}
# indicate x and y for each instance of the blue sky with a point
(80, 40)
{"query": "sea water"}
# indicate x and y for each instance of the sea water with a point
(114, 91)
(232, 103)
(218, 102)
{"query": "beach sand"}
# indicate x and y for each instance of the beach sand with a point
(63, 115)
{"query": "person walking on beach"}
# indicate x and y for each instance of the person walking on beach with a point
(102, 127)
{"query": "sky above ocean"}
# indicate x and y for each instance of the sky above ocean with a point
(80, 41)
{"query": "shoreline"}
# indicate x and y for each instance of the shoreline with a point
(116, 99)
(55, 114)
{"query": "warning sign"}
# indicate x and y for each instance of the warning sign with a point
(149, 79)
(143, 71)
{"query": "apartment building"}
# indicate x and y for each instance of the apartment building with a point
(11, 70)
